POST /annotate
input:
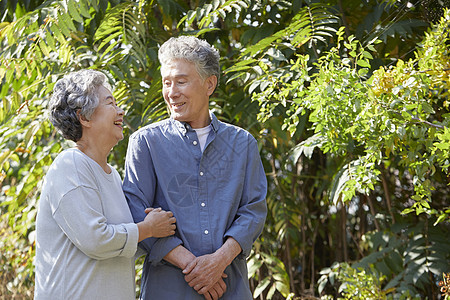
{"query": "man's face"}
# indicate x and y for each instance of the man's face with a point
(186, 93)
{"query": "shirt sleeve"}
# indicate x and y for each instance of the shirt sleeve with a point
(79, 215)
(251, 215)
(139, 187)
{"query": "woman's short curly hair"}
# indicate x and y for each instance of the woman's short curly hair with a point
(76, 91)
(201, 53)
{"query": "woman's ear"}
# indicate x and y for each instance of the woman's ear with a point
(83, 120)
(211, 81)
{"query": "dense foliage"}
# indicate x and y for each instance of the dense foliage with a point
(349, 101)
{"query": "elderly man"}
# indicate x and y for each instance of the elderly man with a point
(208, 173)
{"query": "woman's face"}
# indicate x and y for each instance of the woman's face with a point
(107, 119)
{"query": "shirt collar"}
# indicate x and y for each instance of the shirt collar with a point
(184, 127)
(214, 122)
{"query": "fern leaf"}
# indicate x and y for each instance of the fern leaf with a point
(312, 24)
(209, 12)
(123, 25)
(73, 11)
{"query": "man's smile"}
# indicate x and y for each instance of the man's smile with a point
(177, 105)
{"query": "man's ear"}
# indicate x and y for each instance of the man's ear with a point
(211, 81)
(83, 120)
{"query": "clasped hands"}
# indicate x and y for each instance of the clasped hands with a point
(205, 274)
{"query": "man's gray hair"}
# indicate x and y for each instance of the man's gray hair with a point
(76, 91)
(192, 49)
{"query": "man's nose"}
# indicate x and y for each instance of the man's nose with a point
(173, 91)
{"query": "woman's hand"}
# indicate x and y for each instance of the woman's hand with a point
(157, 223)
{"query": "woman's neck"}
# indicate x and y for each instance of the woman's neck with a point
(99, 155)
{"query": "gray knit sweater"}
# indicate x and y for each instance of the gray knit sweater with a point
(86, 238)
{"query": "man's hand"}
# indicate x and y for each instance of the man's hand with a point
(204, 272)
(217, 290)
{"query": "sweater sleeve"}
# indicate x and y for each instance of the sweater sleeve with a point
(79, 215)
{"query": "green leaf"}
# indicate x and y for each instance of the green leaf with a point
(108, 39)
(261, 287)
(84, 7)
(58, 33)
(367, 55)
(50, 40)
(253, 266)
(441, 218)
(4, 156)
(73, 11)
(283, 288)
(44, 48)
(363, 63)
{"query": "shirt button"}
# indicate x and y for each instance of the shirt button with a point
(203, 204)
(194, 142)
(206, 231)
(201, 173)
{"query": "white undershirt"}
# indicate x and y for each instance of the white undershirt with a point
(202, 134)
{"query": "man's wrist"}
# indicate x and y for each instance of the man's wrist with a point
(180, 257)
(228, 252)
(221, 259)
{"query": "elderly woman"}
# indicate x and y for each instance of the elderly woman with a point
(86, 237)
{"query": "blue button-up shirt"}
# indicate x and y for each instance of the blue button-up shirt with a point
(214, 195)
